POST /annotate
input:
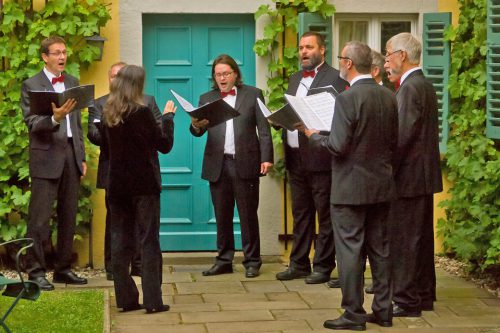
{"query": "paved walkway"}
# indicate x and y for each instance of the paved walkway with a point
(231, 303)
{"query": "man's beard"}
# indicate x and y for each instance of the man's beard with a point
(343, 73)
(315, 60)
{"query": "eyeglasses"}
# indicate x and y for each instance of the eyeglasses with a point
(346, 58)
(387, 55)
(224, 75)
(58, 53)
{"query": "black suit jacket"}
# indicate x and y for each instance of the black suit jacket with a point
(314, 158)
(133, 157)
(94, 134)
(418, 170)
(48, 141)
(363, 141)
(252, 137)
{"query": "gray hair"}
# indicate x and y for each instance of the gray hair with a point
(408, 43)
(360, 55)
(378, 60)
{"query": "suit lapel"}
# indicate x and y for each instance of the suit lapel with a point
(240, 96)
(293, 85)
(409, 77)
(44, 82)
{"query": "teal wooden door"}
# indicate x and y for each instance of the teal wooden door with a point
(178, 51)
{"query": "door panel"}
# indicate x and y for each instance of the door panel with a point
(178, 51)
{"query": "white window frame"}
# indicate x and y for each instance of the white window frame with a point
(374, 32)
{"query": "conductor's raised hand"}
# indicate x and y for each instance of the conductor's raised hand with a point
(61, 112)
(169, 107)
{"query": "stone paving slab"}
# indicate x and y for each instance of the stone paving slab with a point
(227, 298)
(258, 326)
(213, 287)
(187, 299)
(267, 305)
(184, 328)
(231, 303)
(264, 286)
(451, 292)
(226, 316)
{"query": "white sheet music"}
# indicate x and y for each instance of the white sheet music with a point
(263, 108)
(323, 105)
(184, 103)
(316, 111)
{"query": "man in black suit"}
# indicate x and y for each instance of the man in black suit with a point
(56, 163)
(363, 140)
(309, 173)
(94, 136)
(237, 152)
(418, 177)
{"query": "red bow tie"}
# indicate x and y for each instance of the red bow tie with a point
(58, 79)
(231, 92)
(309, 73)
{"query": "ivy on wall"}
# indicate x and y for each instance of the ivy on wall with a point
(282, 65)
(472, 225)
(21, 31)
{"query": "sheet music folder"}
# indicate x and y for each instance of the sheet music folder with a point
(285, 117)
(215, 112)
(40, 101)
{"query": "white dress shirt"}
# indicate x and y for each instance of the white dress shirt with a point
(59, 87)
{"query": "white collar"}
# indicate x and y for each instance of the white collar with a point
(408, 72)
(359, 77)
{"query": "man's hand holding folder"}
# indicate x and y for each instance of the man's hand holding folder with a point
(208, 115)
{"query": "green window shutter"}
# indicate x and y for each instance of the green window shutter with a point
(316, 22)
(493, 71)
(436, 66)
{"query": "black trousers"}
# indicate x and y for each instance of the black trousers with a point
(228, 189)
(412, 252)
(136, 260)
(361, 230)
(44, 192)
(311, 194)
(128, 213)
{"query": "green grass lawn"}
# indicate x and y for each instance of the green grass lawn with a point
(57, 312)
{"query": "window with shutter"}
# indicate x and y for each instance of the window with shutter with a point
(316, 22)
(493, 71)
(436, 66)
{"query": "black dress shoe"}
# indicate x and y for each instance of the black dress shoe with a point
(252, 272)
(398, 311)
(43, 283)
(371, 318)
(317, 277)
(291, 274)
(68, 278)
(218, 269)
(109, 276)
(133, 307)
(342, 323)
(162, 308)
(333, 283)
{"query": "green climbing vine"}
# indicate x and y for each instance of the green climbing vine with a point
(21, 30)
(282, 64)
(472, 226)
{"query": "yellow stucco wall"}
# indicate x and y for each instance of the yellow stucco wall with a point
(97, 74)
